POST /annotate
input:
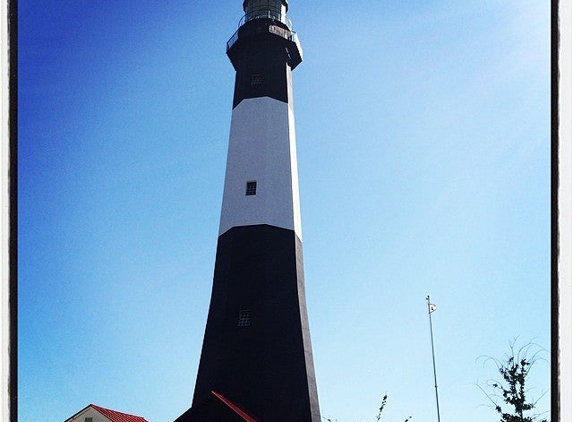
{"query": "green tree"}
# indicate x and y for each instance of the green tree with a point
(509, 394)
(381, 408)
(378, 416)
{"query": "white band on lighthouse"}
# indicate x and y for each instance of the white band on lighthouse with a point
(262, 149)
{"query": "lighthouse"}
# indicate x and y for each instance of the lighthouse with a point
(256, 361)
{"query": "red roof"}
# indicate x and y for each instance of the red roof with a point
(235, 408)
(115, 416)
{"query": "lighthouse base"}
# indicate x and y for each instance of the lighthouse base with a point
(256, 350)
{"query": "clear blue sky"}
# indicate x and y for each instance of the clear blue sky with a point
(423, 147)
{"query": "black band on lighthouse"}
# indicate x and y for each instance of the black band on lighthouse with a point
(260, 365)
(263, 52)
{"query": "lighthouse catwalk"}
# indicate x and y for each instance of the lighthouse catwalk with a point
(256, 362)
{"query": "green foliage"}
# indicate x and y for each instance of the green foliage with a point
(382, 406)
(379, 415)
(509, 395)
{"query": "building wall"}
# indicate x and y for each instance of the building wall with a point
(262, 148)
(89, 413)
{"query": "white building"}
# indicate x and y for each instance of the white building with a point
(93, 413)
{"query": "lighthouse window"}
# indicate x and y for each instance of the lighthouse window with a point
(273, 9)
(257, 79)
(251, 188)
(244, 318)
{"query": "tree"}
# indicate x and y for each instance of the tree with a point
(382, 406)
(379, 415)
(509, 395)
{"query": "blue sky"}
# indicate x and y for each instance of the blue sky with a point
(423, 150)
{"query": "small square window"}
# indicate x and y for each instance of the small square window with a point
(251, 188)
(88, 419)
(257, 79)
(244, 318)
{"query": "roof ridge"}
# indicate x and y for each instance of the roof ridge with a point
(234, 407)
(117, 416)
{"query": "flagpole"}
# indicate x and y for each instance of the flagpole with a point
(430, 310)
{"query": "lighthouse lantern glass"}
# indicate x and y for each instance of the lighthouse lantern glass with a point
(272, 9)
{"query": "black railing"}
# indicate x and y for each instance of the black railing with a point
(265, 14)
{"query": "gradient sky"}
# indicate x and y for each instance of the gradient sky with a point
(423, 150)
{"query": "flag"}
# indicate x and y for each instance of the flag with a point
(431, 308)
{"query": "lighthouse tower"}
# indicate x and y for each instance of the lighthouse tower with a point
(256, 361)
